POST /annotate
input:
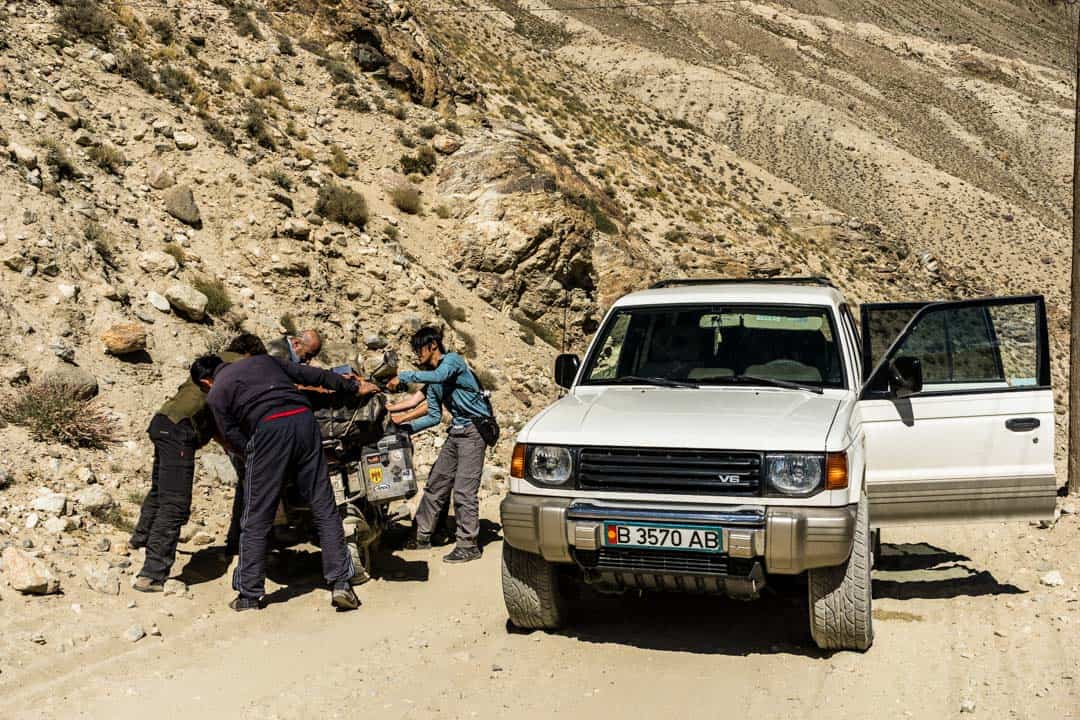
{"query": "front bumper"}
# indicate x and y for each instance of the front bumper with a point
(788, 540)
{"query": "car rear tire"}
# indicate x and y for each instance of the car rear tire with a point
(531, 591)
(840, 596)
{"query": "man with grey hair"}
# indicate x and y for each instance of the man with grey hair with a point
(298, 349)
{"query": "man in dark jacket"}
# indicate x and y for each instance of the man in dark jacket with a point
(260, 413)
(182, 426)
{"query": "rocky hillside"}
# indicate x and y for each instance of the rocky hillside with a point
(173, 171)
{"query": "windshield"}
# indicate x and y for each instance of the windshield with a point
(711, 345)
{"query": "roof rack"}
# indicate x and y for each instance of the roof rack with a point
(678, 282)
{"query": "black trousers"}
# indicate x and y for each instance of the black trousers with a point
(168, 504)
(283, 448)
(232, 539)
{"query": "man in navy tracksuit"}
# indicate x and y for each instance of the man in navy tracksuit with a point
(262, 415)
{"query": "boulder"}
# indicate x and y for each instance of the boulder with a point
(159, 177)
(27, 574)
(64, 110)
(187, 302)
(93, 498)
(218, 467)
(102, 578)
(83, 384)
(108, 62)
(180, 203)
(58, 525)
(23, 155)
(297, 228)
(446, 144)
(157, 262)
(52, 503)
(158, 301)
(124, 339)
(185, 140)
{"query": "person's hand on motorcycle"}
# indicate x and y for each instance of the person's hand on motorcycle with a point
(394, 384)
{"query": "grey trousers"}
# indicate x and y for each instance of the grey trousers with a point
(457, 469)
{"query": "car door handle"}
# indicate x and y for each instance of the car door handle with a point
(1022, 424)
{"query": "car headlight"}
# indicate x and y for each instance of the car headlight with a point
(550, 464)
(793, 473)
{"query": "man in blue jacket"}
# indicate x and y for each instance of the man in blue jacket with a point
(458, 468)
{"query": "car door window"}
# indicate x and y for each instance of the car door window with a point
(971, 346)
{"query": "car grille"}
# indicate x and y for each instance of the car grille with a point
(661, 562)
(673, 471)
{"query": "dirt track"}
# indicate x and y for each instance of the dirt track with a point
(960, 615)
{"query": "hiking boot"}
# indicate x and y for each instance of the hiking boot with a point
(343, 597)
(462, 555)
(418, 542)
(148, 585)
(241, 603)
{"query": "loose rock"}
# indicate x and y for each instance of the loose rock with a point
(157, 262)
(124, 339)
(102, 579)
(93, 498)
(187, 301)
(82, 383)
(159, 177)
(135, 633)
(180, 203)
(185, 140)
(28, 575)
(1052, 579)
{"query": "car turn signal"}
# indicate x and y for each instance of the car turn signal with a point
(836, 471)
(517, 463)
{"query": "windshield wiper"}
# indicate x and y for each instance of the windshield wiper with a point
(657, 381)
(772, 382)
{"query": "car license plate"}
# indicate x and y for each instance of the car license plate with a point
(664, 537)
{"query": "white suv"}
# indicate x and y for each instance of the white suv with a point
(719, 432)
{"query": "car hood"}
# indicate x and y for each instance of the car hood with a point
(708, 418)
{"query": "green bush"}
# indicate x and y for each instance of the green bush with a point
(406, 198)
(218, 301)
(56, 413)
(341, 204)
(422, 162)
(280, 178)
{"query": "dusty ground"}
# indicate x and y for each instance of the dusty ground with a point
(960, 615)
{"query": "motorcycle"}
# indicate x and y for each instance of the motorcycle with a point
(369, 460)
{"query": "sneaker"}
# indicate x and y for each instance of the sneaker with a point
(343, 597)
(462, 555)
(148, 585)
(418, 542)
(241, 603)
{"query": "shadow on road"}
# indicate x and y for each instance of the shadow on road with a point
(205, 565)
(774, 624)
(920, 570)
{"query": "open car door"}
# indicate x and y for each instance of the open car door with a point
(957, 411)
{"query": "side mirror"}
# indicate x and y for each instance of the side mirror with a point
(566, 369)
(905, 376)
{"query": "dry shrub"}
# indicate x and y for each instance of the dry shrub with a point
(55, 413)
(406, 198)
(342, 204)
(86, 19)
(257, 125)
(218, 301)
(266, 87)
(423, 162)
(339, 162)
(108, 158)
(164, 28)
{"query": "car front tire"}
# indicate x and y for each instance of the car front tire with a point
(840, 597)
(534, 600)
